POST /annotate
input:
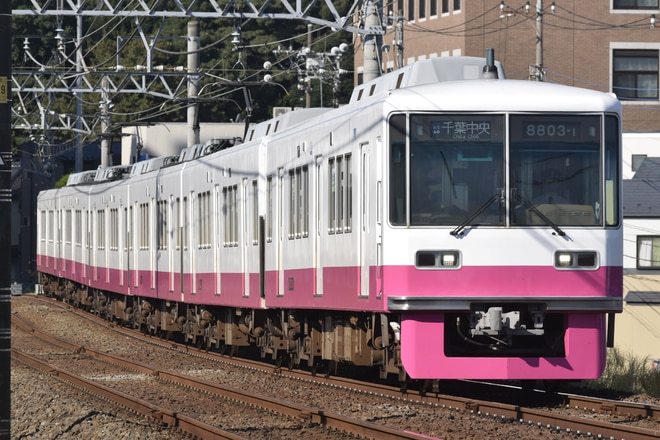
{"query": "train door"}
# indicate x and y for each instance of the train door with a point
(121, 248)
(125, 250)
(217, 242)
(318, 261)
(363, 206)
(153, 214)
(169, 233)
(90, 244)
(190, 239)
(58, 240)
(280, 209)
(246, 239)
(133, 249)
(176, 242)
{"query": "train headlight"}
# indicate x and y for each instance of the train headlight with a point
(440, 259)
(449, 259)
(564, 259)
(576, 260)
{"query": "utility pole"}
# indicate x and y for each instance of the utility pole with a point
(372, 42)
(105, 124)
(5, 220)
(308, 85)
(536, 70)
(193, 83)
(78, 96)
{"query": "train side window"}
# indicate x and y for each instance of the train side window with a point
(51, 225)
(255, 213)
(78, 231)
(204, 220)
(332, 191)
(144, 226)
(269, 214)
(398, 199)
(299, 203)
(340, 197)
(292, 204)
(100, 229)
(349, 194)
(68, 225)
(340, 194)
(612, 177)
(42, 222)
(114, 229)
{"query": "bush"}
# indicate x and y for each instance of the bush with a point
(625, 373)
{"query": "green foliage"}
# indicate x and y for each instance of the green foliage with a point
(625, 373)
(650, 382)
(113, 41)
(62, 181)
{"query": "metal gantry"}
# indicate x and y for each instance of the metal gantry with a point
(34, 88)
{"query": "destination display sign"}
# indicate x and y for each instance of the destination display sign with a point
(459, 128)
(555, 128)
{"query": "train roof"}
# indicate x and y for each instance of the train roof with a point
(284, 121)
(429, 71)
(505, 96)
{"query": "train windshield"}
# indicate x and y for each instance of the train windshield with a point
(455, 167)
(555, 170)
(449, 169)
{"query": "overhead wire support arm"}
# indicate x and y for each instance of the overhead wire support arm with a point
(269, 9)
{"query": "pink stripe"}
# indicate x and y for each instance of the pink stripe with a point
(502, 281)
(422, 351)
(341, 285)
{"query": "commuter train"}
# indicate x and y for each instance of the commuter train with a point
(447, 223)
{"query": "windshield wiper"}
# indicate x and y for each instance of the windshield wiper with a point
(476, 214)
(534, 209)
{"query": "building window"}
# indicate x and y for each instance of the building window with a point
(648, 252)
(637, 160)
(457, 5)
(635, 4)
(422, 9)
(445, 6)
(434, 8)
(635, 74)
(411, 10)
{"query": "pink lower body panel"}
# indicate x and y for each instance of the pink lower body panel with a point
(423, 354)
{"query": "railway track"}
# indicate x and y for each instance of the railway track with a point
(595, 417)
(261, 405)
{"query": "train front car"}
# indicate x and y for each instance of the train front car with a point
(503, 246)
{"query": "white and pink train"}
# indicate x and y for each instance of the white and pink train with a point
(446, 223)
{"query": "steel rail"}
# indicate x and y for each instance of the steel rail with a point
(163, 415)
(517, 413)
(314, 415)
